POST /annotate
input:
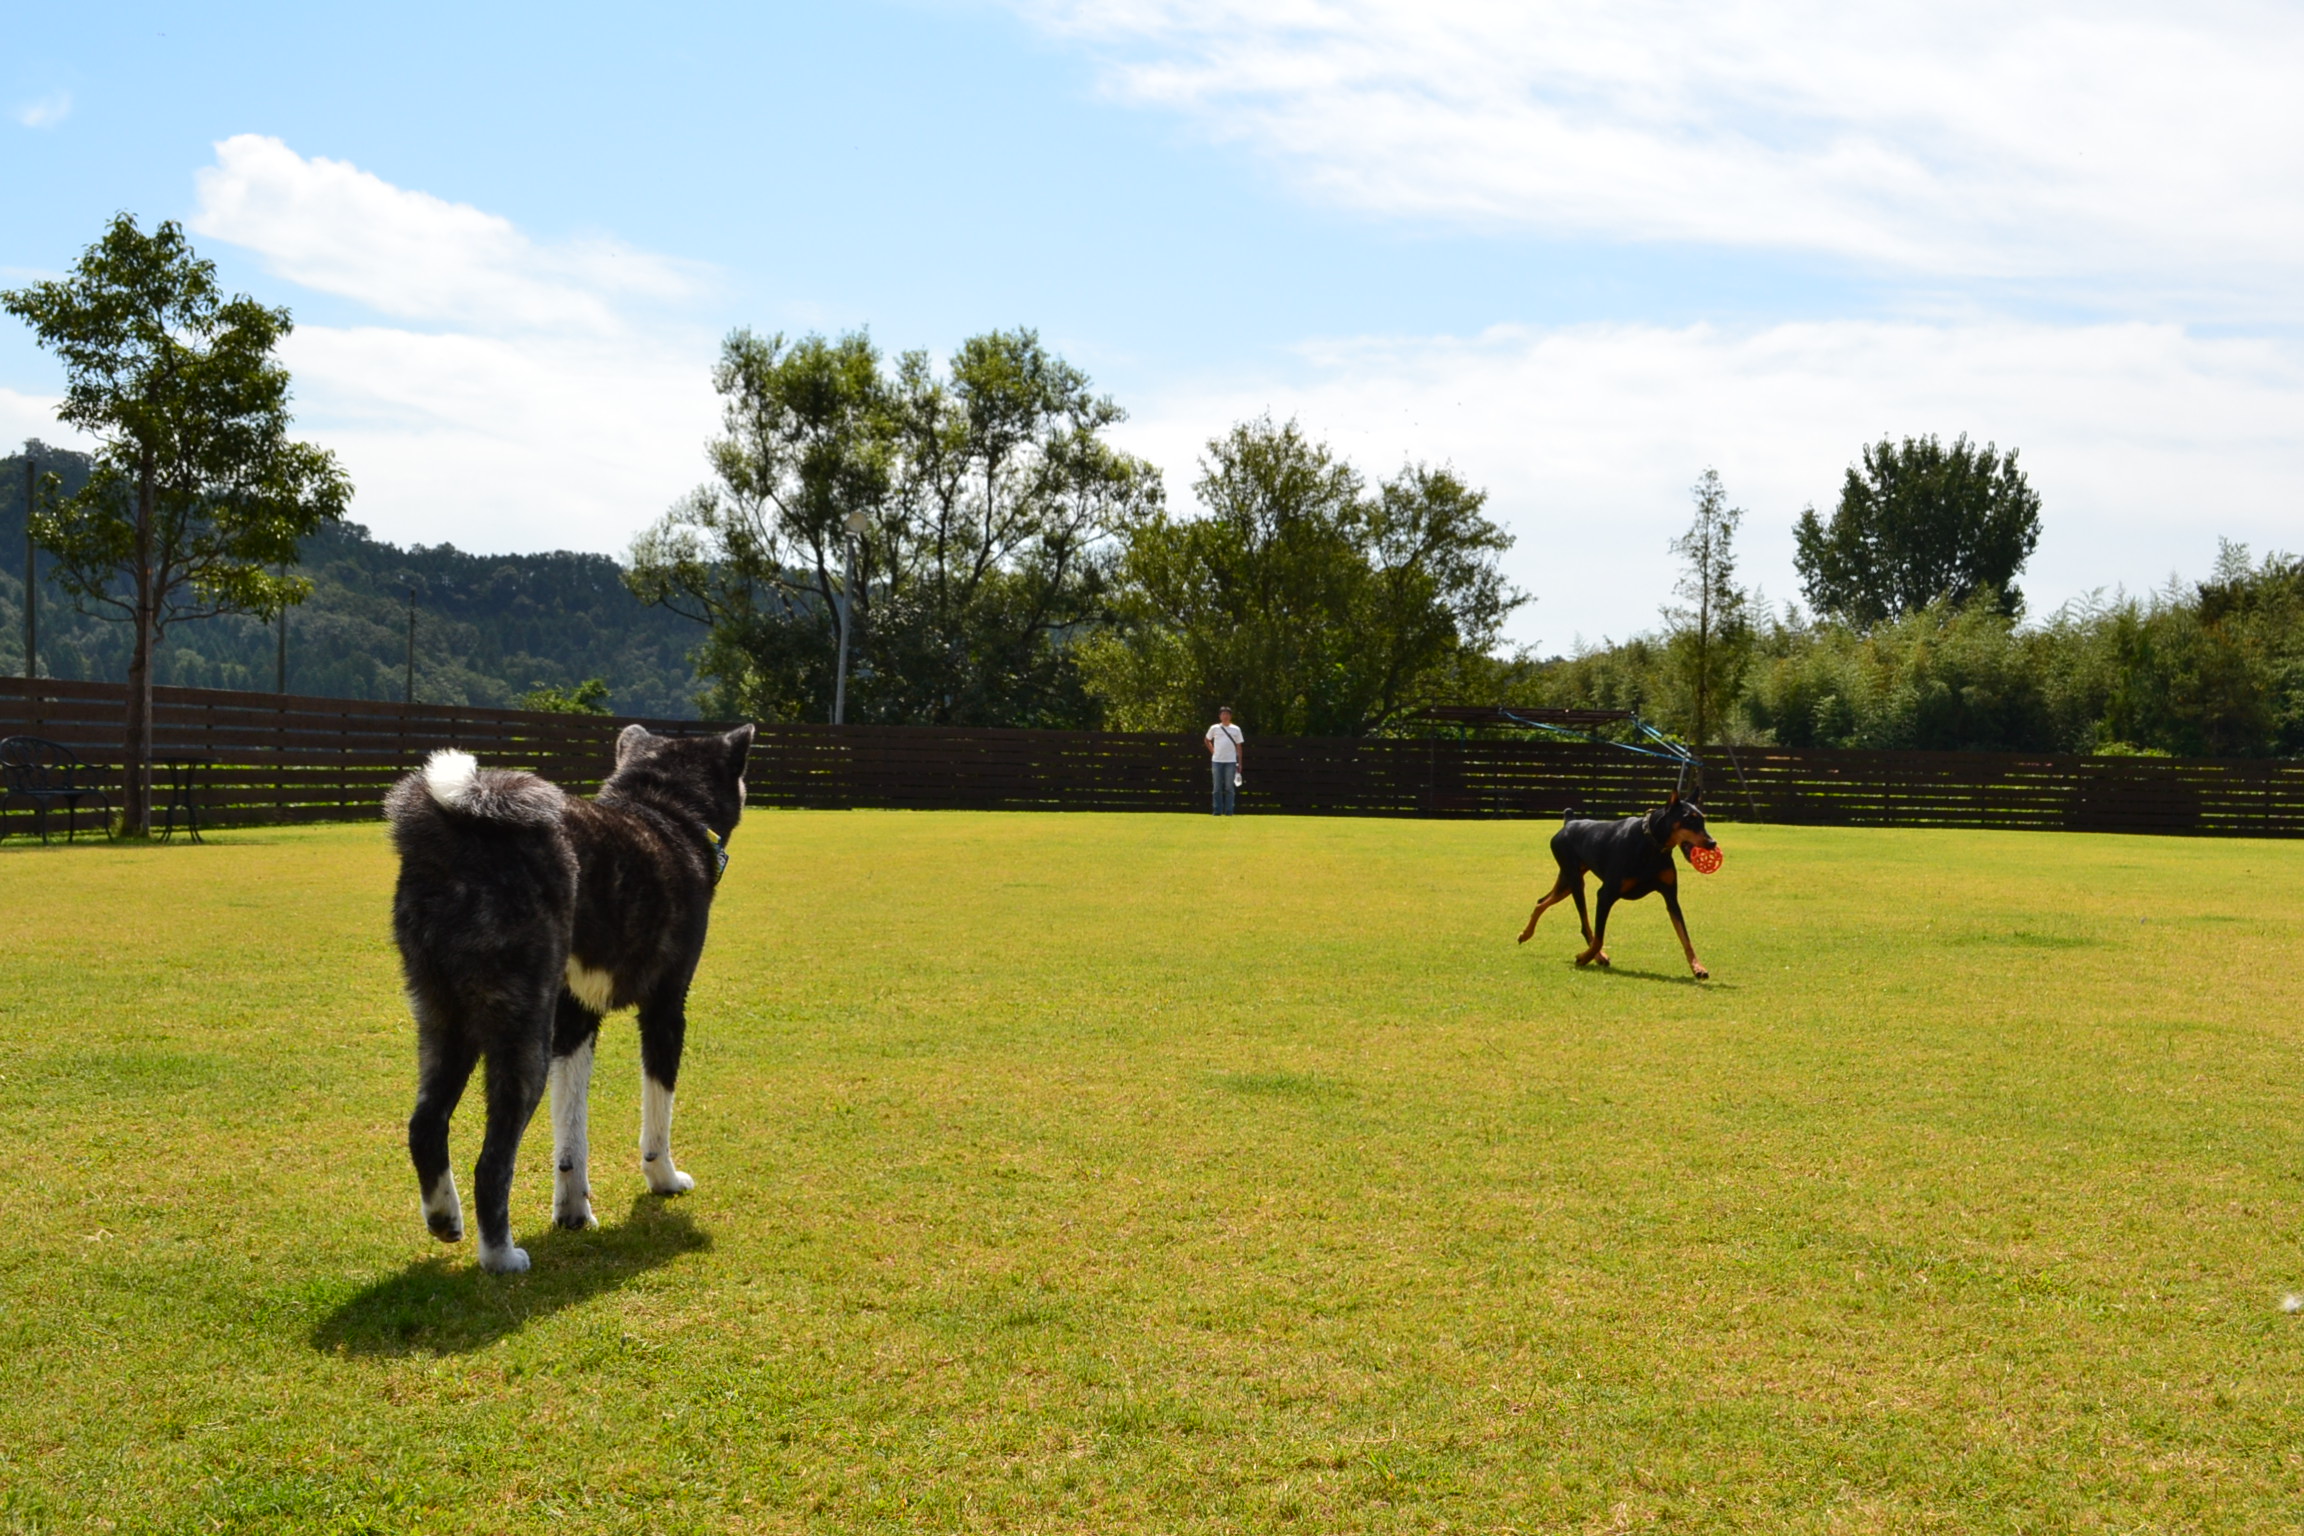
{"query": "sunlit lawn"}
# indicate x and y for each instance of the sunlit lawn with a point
(1148, 1173)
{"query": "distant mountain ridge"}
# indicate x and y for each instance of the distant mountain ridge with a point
(488, 627)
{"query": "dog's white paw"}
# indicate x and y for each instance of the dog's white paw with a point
(576, 1215)
(443, 1212)
(507, 1260)
(671, 1181)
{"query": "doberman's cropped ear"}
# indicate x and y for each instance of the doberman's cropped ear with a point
(740, 746)
(628, 741)
(1675, 800)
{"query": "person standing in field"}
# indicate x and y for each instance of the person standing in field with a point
(1224, 744)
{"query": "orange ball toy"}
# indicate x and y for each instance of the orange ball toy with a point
(1704, 860)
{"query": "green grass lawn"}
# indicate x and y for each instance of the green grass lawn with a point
(1112, 1173)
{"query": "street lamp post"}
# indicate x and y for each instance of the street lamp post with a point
(857, 523)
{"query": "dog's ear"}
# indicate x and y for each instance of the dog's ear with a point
(1675, 800)
(628, 741)
(740, 746)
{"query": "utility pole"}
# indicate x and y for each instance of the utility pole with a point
(31, 573)
(857, 523)
(410, 589)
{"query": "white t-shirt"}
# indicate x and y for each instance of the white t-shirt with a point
(1227, 739)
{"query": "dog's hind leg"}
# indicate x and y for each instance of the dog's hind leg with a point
(663, 1031)
(516, 1071)
(1570, 880)
(1598, 932)
(1584, 915)
(571, 1078)
(445, 1055)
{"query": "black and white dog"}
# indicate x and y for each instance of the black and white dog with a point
(523, 916)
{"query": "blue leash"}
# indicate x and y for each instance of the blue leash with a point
(1666, 749)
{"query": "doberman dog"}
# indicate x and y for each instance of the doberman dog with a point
(1632, 857)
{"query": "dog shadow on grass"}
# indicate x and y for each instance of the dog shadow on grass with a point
(447, 1305)
(1669, 978)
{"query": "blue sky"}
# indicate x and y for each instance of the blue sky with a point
(1581, 251)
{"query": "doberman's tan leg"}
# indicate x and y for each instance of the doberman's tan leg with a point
(1557, 895)
(1689, 949)
(1570, 883)
(1680, 927)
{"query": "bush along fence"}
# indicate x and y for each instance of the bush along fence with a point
(270, 758)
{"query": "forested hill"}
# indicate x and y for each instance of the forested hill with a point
(488, 627)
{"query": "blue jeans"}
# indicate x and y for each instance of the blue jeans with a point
(1226, 775)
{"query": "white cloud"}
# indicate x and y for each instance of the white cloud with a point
(498, 444)
(2145, 442)
(45, 111)
(532, 411)
(2116, 142)
(26, 416)
(331, 226)
(2145, 159)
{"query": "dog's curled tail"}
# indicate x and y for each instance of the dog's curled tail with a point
(454, 781)
(449, 776)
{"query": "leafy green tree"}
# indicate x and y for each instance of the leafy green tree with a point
(997, 554)
(756, 553)
(589, 697)
(199, 495)
(1710, 638)
(1919, 522)
(987, 497)
(1307, 603)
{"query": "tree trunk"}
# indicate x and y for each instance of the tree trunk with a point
(136, 792)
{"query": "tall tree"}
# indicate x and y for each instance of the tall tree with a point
(1918, 521)
(1710, 635)
(1305, 601)
(988, 495)
(756, 553)
(199, 495)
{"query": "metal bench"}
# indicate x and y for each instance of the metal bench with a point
(48, 773)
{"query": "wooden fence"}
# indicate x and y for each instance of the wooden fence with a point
(1514, 777)
(270, 758)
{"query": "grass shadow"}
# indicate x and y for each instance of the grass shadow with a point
(449, 1306)
(1282, 1085)
(2024, 938)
